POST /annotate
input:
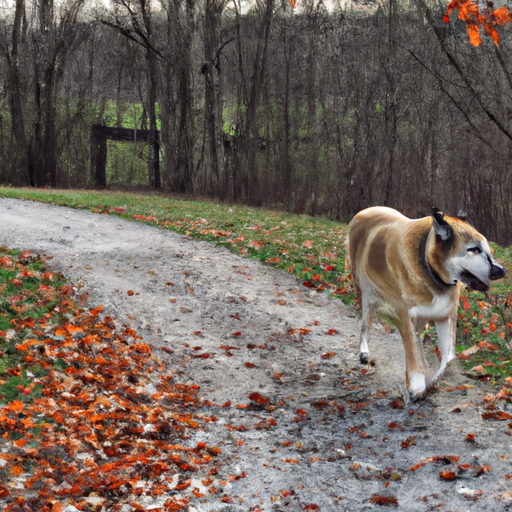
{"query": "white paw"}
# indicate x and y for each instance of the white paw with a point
(417, 386)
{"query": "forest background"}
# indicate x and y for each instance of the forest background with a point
(320, 111)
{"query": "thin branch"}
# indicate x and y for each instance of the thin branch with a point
(128, 33)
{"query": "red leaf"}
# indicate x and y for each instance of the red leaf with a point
(484, 468)
(474, 34)
(437, 458)
(501, 15)
(497, 415)
(130, 292)
(448, 475)
(256, 397)
(396, 404)
(228, 347)
(377, 499)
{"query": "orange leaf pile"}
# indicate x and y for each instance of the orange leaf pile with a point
(108, 422)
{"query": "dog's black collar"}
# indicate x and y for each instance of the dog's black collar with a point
(426, 265)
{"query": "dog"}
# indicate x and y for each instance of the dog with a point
(409, 272)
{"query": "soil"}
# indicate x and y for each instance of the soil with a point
(334, 435)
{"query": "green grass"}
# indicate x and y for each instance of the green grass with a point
(29, 294)
(309, 248)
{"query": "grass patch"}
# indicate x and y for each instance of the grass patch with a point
(29, 296)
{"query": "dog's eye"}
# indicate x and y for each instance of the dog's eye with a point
(474, 250)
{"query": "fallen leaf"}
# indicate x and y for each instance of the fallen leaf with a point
(396, 404)
(446, 459)
(200, 356)
(497, 415)
(378, 499)
(259, 399)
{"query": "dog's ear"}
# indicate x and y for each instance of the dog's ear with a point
(441, 227)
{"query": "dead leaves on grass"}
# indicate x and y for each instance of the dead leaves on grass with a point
(108, 424)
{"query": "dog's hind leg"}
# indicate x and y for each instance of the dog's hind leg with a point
(446, 334)
(368, 308)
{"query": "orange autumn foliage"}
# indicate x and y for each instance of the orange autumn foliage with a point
(486, 19)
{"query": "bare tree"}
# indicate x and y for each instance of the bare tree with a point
(134, 20)
(55, 34)
(19, 172)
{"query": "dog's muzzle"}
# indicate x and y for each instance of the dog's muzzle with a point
(497, 271)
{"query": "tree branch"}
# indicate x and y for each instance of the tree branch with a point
(453, 61)
(129, 33)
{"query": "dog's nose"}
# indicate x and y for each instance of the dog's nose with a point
(497, 271)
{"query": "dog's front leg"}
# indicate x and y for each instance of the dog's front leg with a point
(446, 334)
(415, 363)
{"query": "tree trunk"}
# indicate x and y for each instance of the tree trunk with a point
(251, 131)
(19, 174)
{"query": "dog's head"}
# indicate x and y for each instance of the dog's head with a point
(458, 252)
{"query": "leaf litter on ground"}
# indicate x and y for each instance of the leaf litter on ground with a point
(89, 419)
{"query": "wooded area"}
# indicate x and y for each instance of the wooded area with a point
(316, 112)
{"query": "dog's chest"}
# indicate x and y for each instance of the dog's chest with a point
(440, 307)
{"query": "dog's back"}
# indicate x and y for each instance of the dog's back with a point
(375, 231)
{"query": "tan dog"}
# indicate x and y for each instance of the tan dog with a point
(409, 272)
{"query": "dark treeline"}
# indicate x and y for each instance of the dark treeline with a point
(317, 112)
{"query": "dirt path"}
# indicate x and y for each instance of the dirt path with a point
(333, 435)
